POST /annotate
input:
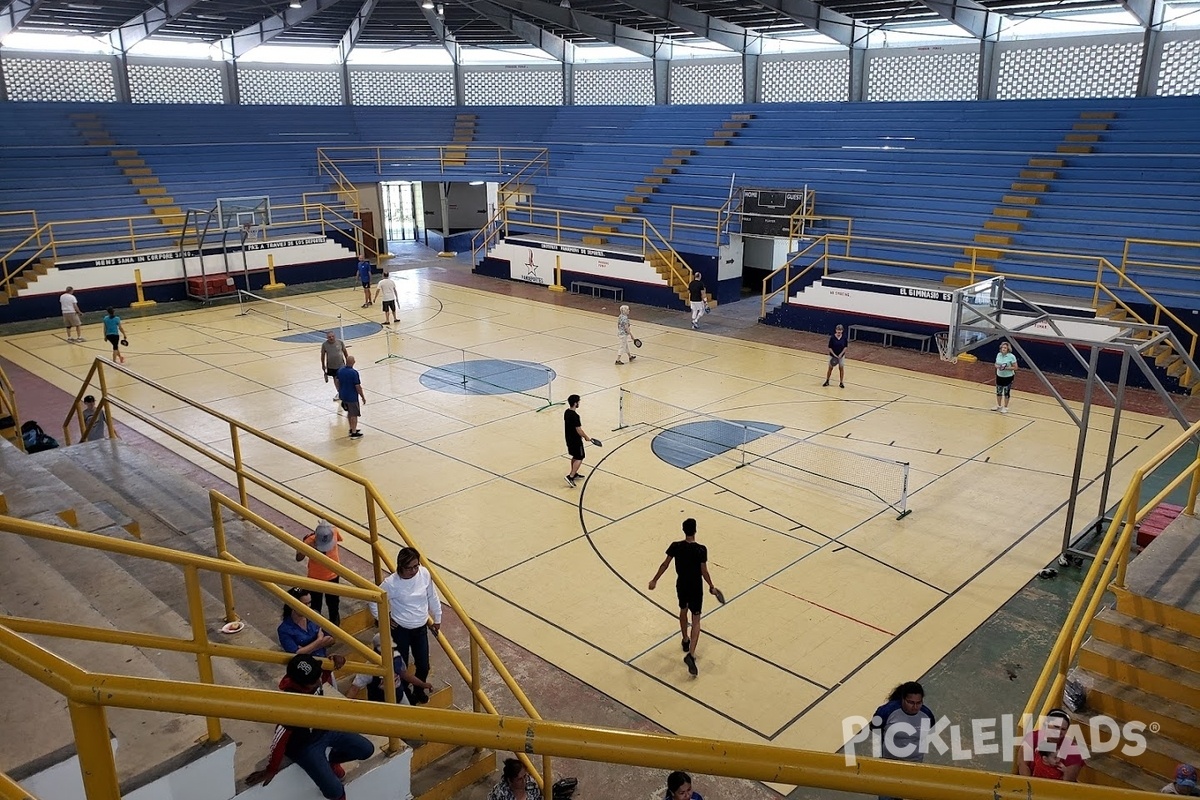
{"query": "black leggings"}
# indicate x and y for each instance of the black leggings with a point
(334, 602)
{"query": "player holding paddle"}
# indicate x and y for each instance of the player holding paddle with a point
(837, 356)
(576, 436)
(691, 567)
(623, 335)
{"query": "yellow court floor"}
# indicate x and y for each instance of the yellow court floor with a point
(831, 600)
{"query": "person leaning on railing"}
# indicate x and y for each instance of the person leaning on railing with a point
(412, 602)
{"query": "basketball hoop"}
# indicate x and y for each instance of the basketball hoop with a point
(942, 338)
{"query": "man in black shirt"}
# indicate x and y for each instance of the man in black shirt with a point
(696, 295)
(691, 567)
(576, 436)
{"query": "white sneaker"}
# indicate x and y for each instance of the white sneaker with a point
(1004, 411)
(997, 408)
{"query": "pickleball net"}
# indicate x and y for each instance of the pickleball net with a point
(291, 318)
(694, 437)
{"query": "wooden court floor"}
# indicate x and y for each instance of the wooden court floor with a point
(831, 599)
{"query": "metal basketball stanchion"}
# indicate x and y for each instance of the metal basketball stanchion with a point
(387, 335)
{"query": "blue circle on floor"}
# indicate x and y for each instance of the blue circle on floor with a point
(687, 445)
(487, 376)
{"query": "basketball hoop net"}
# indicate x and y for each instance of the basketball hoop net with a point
(942, 339)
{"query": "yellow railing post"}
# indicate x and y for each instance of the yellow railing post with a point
(141, 301)
(1134, 492)
(92, 745)
(274, 284)
(373, 530)
(1190, 509)
(104, 404)
(475, 687)
(388, 662)
(238, 467)
(558, 284)
(191, 577)
(223, 552)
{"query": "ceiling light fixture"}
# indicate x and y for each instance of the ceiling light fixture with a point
(295, 4)
(565, 4)
(427, 5)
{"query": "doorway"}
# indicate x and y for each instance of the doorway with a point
(401, 199)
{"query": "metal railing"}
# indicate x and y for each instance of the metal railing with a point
(376, 514)
(723, 218)
(393, 160)
(653, 246)
(90, 694)
(8, 406)
(1170, 266)
(1108, 281)
(1109, 566)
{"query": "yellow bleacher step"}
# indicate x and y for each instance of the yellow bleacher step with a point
(645, 189)
(167, 211)
(147, 191)
(725, 134)
(1098, 115)
(131, 162)
(635, 198)
(90, 124)
(742, 116)
(665, 170)
(1006, 211)
(613, 218)
(136, 171)
(1074, 148)
(468, 138)
(672, 161)
(1169, 681)
(655, 179)
(1144, 636)
(1177, 368)
(1039, 174)
(993, 238)
(160, 200)
(733, 125)
(717, 142)
(623, 209)
(683, 153)
(105, 142)
(1001, 225)
(480, 767)
(602, 228)
(1090, 126)
(1019, 200)
(980, 266)
(1022, 186)
(123, 153)
(591, 239)
(146, 180)
(1051, 163)
(1089, 138)
(981, 253)
(428, 753)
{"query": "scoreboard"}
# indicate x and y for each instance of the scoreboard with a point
(767, 212)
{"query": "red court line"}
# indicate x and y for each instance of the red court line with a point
(830, 610)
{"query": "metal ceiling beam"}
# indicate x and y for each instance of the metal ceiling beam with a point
(16, 12)
(235, 46)
(144, 25)
(837, 26)
(350, 37)
(555, 46)
(1148, 13)
(971, 16)
(452, 47)
(714, 29)
(644, 44)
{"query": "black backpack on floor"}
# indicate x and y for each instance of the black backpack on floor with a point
(35, 439)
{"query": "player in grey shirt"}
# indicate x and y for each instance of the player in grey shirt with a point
(333, 358)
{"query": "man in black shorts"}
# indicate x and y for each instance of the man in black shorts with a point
(576, 436)
(333, 358)
(691, 573)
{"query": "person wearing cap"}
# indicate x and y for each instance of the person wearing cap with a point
(415, 609)
(1185, 782)
(100, 428)
(374, 683)
(299, 634)
(1050, 751)
(319, 753)
(324, 540)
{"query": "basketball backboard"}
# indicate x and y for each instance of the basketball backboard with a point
(237, 213)
(975, 317)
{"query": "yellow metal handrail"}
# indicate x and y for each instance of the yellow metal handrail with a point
(652, 244)
(1104, 269)
(1108, 568)
(821, 262)
(89, 694)
(8, 406)
(375, 505)
(1188, 269)
(387, 159)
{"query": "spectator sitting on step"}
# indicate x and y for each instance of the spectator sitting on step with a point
(1185, 781)
(374, 683)
(679, 787)
(515, 783)
(1050, 751)
(299, 634)
(318, 752)
(100, 427)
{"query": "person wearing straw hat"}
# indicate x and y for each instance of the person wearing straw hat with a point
(324, 540)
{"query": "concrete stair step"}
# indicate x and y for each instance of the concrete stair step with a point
(1170, 681)
(1106, 696)
(126, 153)
(635, 198)
(1023, 186)
(131, 162)
(1051, 163)
(1098, 115)
(993, 238)
(1090, 126)
(672, 161)
(1074, 148)
(1039, 174)
(655, 179)
(1001, 225)
(444, 778)
(682, 152)
(1103, 770)
(665, 170)
(136, 171)
(733, 124)
(743, 116)
(1008, 211)
(1020, 200)
(1157, 759)
(1088, 138)
(590, 239)
(717, 142)
(144, 181)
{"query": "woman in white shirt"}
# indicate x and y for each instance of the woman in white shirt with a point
(415, 609)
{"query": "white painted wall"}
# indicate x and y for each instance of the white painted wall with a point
(535, 264)
(388, 779)
(165, 265)
(209, 777)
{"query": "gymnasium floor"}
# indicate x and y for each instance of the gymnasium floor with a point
(831, 598)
